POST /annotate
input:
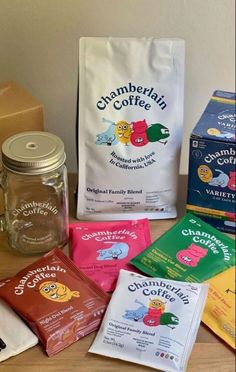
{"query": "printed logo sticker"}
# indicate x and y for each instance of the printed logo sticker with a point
(192, 255)
(204, 173)
(220, 134)
(137, 133)
(116, 252)
(153, 314)
(58, 292)
(220, 179)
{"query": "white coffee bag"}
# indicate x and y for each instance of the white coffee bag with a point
(151, 321)
(130, 127)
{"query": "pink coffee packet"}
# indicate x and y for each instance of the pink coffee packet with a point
(101, 249)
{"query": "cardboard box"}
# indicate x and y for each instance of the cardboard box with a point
(19, 112)
(212, 164)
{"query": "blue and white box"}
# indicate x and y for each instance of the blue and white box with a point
(212, 164)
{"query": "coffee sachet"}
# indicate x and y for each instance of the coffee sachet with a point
(219, 313)
(191, 251)
(56, 299)
(151, 321)
(101, 249)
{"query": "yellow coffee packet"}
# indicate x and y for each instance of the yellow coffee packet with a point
(219, 313)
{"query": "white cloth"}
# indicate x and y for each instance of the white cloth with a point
(15, 336)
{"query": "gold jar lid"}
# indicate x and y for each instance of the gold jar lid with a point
(33, 152)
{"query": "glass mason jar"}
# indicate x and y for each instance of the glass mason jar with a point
(34, 182)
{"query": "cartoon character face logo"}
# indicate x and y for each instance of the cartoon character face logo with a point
(221, 180)
(169, 319)
(213, 131)
(157, 304)
(156, 308)
(204, 173)
(123, 131)
(152, 315)
(192, 255)
(136, 314)
(139, 136)
(137, 133)
(157, 133)
(117, 251)
(217, 133)
(106, 139)
(56, 291)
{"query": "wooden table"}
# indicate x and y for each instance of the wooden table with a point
(209, 352)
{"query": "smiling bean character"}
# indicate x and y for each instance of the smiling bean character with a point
(123, 131)
(56, 291)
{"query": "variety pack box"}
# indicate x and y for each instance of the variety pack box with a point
(212, 164)
(19, 112)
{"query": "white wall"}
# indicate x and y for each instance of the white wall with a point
(39, 49)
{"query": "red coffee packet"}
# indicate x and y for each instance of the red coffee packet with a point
(59, 303)
(101, 249)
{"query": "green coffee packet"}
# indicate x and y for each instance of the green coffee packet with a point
(191, 251)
